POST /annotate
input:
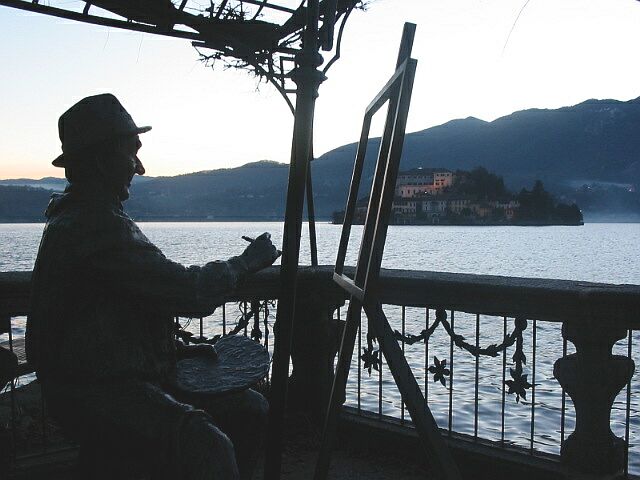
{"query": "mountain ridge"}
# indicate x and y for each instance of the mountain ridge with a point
(595, 141)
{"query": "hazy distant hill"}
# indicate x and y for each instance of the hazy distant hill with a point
(47, 183)
(594, 143)
(52, 183)
(254, 191)
(23, 204)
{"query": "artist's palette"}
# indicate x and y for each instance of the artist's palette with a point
(241, 363)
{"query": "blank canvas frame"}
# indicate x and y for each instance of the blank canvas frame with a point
(397, 93)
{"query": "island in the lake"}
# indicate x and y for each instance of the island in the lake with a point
(437, 196)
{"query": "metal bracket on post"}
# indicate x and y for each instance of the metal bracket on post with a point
(328, 24)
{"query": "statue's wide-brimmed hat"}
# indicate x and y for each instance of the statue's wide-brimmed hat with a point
(91, 121)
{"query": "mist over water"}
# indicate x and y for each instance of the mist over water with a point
(606, 253)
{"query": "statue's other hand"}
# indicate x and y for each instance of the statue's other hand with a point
(198, 350)
(206, 350)
(260, 253)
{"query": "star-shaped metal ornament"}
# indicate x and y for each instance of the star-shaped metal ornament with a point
(518, 384)
(371, 359)
(440, 371)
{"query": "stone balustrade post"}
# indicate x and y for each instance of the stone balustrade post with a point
(593, 377)
(313, 350)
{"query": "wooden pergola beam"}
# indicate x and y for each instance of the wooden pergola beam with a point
(236, 38)
(95, 20)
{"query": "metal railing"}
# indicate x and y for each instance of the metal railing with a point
(497, 349)
(494, 355)
(487, 396)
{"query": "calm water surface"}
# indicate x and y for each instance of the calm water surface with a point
(605, 253)
(595, 252)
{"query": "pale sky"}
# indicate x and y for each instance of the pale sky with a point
(559, 53)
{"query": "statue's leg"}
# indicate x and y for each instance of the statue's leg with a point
(242, 416)
(134, 427)
(205, 452)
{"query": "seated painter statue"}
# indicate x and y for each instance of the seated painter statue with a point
(101, 333)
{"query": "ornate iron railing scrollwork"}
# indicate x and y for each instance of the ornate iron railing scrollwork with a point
(254, 309)
(518, 384)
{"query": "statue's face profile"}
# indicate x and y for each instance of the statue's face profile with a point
(123, 164)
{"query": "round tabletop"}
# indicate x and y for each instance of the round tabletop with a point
(241, 363)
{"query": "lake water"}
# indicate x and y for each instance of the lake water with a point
(599, 252)
(605, 253)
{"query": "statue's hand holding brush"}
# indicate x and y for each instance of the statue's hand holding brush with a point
(260, 253)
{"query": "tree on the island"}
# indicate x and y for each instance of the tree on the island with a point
(569, 213)
(538, 205)
(481, 184)
(542, 200)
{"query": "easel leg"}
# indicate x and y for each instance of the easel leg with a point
(433, 445)
(339, 387)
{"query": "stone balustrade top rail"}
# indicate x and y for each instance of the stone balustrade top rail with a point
(532, 298)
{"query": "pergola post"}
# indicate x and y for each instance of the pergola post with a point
(307, 78)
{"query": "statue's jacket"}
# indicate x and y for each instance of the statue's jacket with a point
(104, 297)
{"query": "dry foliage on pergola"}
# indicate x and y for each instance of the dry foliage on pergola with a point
(262, 36)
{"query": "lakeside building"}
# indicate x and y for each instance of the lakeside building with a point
(450, 208)
(420, 181)
(423, 196)
(434, 196)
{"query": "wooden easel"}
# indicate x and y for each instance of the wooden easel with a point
(363, 287)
